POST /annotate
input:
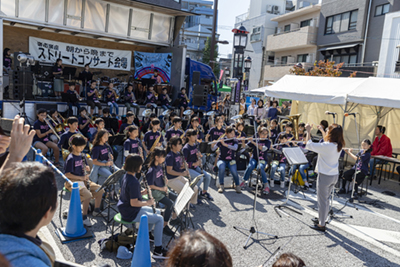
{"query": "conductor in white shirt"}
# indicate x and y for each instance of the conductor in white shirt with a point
(327, 168)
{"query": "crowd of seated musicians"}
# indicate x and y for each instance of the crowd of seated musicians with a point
(171, 158)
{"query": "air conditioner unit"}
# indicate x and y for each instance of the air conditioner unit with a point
(270, 9)
(290, 60)
(276, 9)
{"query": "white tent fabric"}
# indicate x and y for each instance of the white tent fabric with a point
(312, 96)
(382, 92)
(331, 90)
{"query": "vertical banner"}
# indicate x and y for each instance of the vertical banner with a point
(78, 55)
(146, 63)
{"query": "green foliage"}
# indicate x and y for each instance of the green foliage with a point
(322, 68)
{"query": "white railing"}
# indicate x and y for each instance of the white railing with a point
(242, 17)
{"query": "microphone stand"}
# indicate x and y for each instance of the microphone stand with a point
(252, 229)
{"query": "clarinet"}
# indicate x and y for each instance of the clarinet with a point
(84, 170)
(165, 179)
(186, 166)
(149, 193)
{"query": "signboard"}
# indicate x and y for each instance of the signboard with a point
(78, 55)
(146, 63)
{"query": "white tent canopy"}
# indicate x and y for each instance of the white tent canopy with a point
(376, 100)
(330, 90)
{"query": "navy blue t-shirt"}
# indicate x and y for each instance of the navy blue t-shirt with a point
(171, 132)
(215, 133)
(129, 96)
(43, 127)
(363, 162)
(73, 164)
(132, 145)
(182, 99)
(226, 153)
(123, 127)
(263, 154)
(92, 97)
(82, 121)
(174, 160)
(163, 99)
(64, 140)
(130, 189)
(150, 98)
(272, 113)
(101, 152)
(190, 154)
(155, 176)
(110, 97)
(150, 137)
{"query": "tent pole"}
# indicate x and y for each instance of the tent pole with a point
(345, 111)
(378, 118)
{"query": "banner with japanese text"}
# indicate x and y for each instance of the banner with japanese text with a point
(146, 63)
(78, 55)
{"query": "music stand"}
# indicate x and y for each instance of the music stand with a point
(295, 156)
(108, 186)
(70, 72)
(181, 202)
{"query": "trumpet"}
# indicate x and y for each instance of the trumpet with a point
(98, 93)
(51, 127)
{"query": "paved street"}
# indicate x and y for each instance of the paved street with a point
(370, 238)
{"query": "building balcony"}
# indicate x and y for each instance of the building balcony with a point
(298, 38)
(274, 72)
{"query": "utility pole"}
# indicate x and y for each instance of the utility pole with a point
(214, 28)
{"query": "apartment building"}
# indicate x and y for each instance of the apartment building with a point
(196, 29)
(294, 41)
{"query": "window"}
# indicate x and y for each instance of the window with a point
(286, 28)
(305, 23)
(256, 34)
(346, 58)
(341, 22)
(284, 60)
(302, 58)
(382, 9)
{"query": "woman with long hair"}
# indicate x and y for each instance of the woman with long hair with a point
(103, 164)
(259, 112)
(327, 167)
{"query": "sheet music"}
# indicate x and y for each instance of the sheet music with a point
(183, 198)
(295, 155)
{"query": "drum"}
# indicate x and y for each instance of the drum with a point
(115, 81)
(104, 81)
(204, 147)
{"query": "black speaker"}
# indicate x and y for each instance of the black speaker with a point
(20, 80)
(196, 78)
(200, 95)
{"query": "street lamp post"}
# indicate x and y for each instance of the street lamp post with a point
(247, 67)
(239, 44)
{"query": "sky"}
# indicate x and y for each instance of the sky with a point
(227, 12)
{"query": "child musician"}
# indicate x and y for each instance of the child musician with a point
(132, 206)
(64, 138)
(132, 143)
(214, 134)
(361, 169)
(111, 98)
(92, 99)
(287, 132)
(71, 91)
(159, 186)
(176, 170)
(151, 99)
(76, 169)
(280, 164)
(193, 158)
(102, 157)
(55, 120)
(195, 125)
(152, 136)
(301, 132)
(260, 160)
(303, 167)
(42, 138)
(273, 131)
(129, 121)
(99, 125)
(164, 99)
(183, 101)
(130, 99)
(83, 122)
(175, 130)
(227, 158)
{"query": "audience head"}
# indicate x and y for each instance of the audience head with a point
(199, 249)
(289, 260)
(28, 197)
(380, 130)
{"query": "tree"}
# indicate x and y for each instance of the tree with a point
(207, 54)
(322, 68)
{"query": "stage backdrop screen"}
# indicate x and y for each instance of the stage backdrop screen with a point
(78, 55)
(146, 63)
